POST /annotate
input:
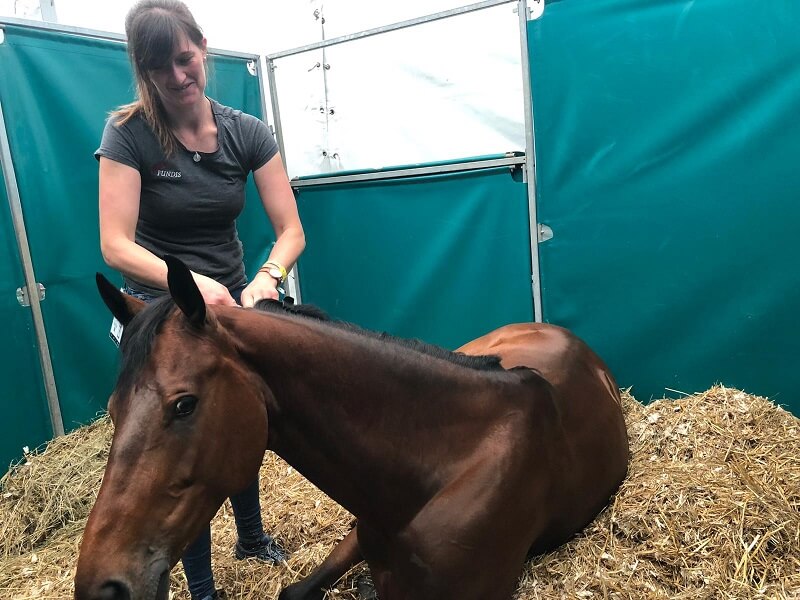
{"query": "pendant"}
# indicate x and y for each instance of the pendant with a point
(196, 157)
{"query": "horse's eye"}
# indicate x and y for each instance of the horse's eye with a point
(185, 406)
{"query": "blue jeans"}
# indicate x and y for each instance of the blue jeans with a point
(246, 513)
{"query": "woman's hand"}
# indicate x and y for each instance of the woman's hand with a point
(263, 286)
(212, 291)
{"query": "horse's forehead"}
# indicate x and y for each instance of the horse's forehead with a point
(180, 339)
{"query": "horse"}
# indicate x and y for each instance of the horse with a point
(458, 466)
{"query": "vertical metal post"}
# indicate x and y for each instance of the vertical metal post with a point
(276, 111)
(293, 281)
(15, 204)
(530, 160)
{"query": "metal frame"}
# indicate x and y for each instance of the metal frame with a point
(386, 28)
(530, 164)
(530, 161)
(292, 283)
(509, 161)
(15, 204)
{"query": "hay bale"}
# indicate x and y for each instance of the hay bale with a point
(710, 509)
(53, 489)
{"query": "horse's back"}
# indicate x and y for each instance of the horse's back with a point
(563, 359)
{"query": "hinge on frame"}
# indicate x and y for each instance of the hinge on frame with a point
(22, 294)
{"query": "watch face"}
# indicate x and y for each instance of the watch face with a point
(275, 273)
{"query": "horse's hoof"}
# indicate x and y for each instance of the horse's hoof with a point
(297, 591)
(365, 588)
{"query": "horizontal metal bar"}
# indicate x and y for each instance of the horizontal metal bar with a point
(394, 27)
(102, 35)
(510, 161)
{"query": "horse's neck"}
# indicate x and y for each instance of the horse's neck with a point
(358, 418)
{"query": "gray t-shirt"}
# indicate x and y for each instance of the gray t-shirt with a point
(189, 208)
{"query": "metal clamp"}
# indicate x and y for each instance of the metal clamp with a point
(22, 294)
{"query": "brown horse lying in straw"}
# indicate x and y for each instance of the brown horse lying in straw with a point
(457, 467)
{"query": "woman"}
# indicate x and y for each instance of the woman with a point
(173, 166)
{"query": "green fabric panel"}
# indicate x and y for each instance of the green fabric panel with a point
(24, 419)
(666, 137)
(415, 256)
(57, 90)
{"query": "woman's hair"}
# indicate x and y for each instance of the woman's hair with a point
(153, 28)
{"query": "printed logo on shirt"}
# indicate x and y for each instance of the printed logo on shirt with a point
(165, 170)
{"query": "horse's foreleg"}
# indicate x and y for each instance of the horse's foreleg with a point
(342, 558)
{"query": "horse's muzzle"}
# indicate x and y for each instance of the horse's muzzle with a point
(155, 587)
(113, 590)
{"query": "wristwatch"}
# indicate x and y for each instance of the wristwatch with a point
(274, 272)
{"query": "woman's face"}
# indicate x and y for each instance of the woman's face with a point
(181, 82)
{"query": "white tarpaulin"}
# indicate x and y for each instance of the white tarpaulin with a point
(442, 90)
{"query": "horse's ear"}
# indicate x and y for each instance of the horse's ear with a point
(122, 306)
(184, 291)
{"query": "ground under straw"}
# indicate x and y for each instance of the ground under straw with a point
(710, 509)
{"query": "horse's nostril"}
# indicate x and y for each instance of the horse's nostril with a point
(114, 590)
(162, 593)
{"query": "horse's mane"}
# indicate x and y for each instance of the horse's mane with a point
(139, 334)
(481, 363)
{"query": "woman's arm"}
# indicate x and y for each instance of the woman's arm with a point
(120, 188)
(279, 203)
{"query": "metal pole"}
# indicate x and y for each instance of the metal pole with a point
(276, 111)
(394, 27)
(15, 204)
(530, 162)
(510, 161)
(293, 281)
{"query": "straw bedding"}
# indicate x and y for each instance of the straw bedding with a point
(710, 509)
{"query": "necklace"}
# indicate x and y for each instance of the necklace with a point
(196, 156)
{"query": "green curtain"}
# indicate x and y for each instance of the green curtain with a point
(57, 90)
(666, 137)
(444, 258)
